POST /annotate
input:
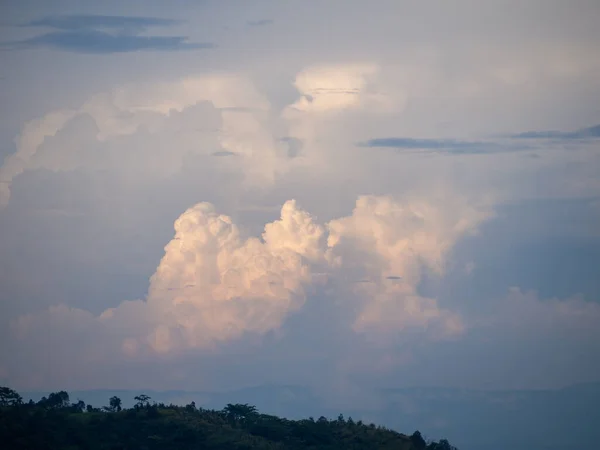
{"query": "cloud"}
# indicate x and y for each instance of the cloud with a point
(331, 88)
(223, 153)
(293, 146)
(99, 42)
(386, 245)
(450, 146)
(31, 137)
(580, 134)
(463, 147)
(330, 96)
(210, 287)
(213, 287)
(151, 128)
(105, 35)
(132, 24)
(291, 106)
(571, 315)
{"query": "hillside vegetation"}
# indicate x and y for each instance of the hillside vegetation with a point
(55, 422)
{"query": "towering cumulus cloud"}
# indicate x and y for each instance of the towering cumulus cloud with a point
(212, 286)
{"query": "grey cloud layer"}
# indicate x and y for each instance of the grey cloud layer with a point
(82, 22)
(105, 35)
(441, 146)
(460, 147)
(582, 133)
(99, 42)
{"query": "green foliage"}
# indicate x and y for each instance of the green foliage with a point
(79, 406)
(53, 423)
(418, 441)
(143, 400)
(56, 400)
(8, 397)
(239, 412)
(114, 405)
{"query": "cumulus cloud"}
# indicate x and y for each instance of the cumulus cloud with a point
(330, 96)
(212, 286)
(215, 286)
(27, 143)
(189, 116)
(150, 128)
(385, 245)
(334, 88)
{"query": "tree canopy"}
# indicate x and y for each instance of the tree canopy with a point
(54, 423)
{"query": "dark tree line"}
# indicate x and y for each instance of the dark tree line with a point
(57, 423)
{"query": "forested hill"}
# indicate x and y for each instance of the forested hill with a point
(55, 422)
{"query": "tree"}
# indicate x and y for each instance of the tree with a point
(418, 441)
(9, 397)
(191, 406)
(443, 444)
(56, 400)
(240, 411)
(115, 404)
(79, 406)
(237, 426)
(142, 400)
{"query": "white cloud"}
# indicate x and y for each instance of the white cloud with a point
(385, 245)
(151, 128)
(212, 286)
(328, 89)
(31, 137)
(148, 129)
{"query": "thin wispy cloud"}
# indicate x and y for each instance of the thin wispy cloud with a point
(132, 24)
(582, 133)
(450, 146)
(105, 35)
(500, 144)
(100, 42)
(222, 153)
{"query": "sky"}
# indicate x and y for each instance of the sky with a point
(210, 195)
